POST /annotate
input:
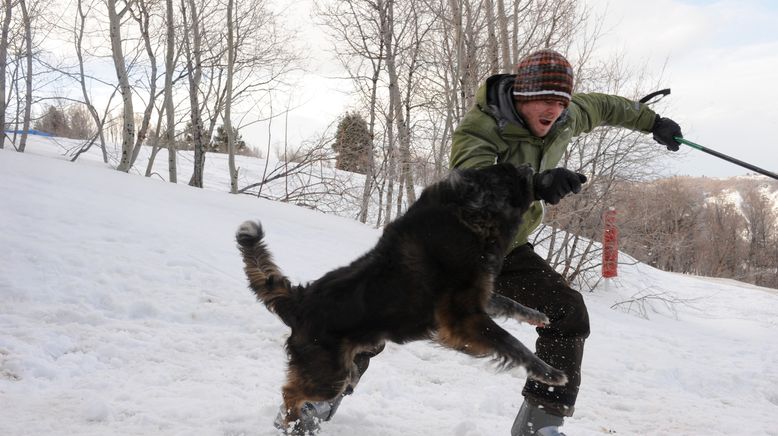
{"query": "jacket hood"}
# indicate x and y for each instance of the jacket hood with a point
(495, 97)
(498, 101)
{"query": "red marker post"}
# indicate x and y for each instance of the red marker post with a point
(610, 245)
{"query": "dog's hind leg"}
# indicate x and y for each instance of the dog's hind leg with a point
(478, 335)
(501, 306)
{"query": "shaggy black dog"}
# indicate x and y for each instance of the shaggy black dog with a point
(429, 277)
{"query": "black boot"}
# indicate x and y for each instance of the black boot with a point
(535, 421)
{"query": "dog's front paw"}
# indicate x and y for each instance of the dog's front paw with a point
(547, 374)
(534, 317)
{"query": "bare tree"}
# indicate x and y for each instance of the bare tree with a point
(168, 109)
(658, 222)
(352, 23)
(762, 228)
(492, 46)
(412, 41)
(27, 22)
(502, 24)
(78, 31)
(117, 53)
(192, 43)
(719, 247)
(464, 82)
(140, 12)
(398, 118)
(304, 178)
(7, 12)
(228, 99)
(435, 55)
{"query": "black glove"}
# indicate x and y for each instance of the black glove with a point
(664, 131)
(552, 185)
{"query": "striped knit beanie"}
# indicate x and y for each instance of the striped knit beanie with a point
(543, 75)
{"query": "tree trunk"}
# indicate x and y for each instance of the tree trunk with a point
(505, 47)
(370, 173)
(397, 105)
(471, 56)
(459, 50)
(194, 70)
(3, 65)
(143, 22)
(228, 100)
(155, 146)
(391, 165)
(28, 78)
(491, 40)
(128, 126)
(170, 128)
(218, 102)
(82, 80)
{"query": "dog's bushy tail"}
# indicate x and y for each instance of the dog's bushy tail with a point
(265, 278)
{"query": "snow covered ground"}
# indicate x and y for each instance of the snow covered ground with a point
(124, 310)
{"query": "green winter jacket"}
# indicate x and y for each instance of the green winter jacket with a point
(493, 132)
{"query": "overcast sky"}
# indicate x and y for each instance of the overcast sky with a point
(722, 65)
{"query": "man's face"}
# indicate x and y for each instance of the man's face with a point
(540, 115)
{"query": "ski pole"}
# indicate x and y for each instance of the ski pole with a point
(658, 95)
(727, 158)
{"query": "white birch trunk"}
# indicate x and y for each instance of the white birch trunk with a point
(3, 64)
(491, 41)
(170, 128)
(128, 126)
(505, 47)
(194, 70)
(28, 77)
(370, 173)
(144, 23)
(397, 105)
(228, 100)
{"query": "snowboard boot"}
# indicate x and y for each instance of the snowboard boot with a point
(535, 421)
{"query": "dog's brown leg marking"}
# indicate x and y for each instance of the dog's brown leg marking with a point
(294, 395)
(475, 333)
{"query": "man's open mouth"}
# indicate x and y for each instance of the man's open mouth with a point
(545, 122)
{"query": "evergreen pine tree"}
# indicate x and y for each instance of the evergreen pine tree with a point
(352, 140)
(219, 144)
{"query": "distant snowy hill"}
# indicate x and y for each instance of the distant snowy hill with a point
(124, 310)
(739, 187)
(733, 190)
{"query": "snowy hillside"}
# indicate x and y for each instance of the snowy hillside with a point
(124, 310)
(733, 190)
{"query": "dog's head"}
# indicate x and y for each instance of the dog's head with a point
(503, 188)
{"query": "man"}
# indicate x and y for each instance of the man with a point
(530, 118)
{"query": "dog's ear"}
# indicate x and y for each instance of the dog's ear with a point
(509, 185)
(461, 184)
(455, 178)
(521, 191)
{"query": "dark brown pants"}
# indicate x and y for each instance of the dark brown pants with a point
(529, 280)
